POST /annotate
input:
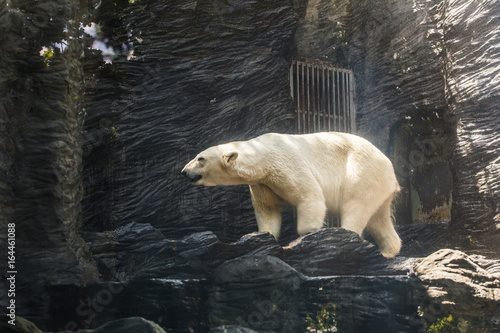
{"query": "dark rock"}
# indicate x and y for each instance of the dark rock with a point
(134, 324)
(334, 251)
(364, 303)
(471, 44)
(256, 292)
(41, 152)
(167, 275)
(423, 239)
(141, 251)
(265, 294)
(175, 304)
(131, 325)
(465, 287)
(22, 326)
(231, 329)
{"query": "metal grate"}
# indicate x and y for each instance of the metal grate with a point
(324, 97)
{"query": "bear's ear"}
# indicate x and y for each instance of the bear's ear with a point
(229, 158)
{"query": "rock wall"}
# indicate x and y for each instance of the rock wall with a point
(473, 94)
(212, 91)
(426, 95)
(41, 152)
(203, 73)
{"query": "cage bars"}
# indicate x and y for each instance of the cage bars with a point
(323, 96)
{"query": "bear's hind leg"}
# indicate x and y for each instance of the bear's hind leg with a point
(382, 229)
(356, 212)
(267, 207)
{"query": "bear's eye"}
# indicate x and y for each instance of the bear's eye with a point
(201, 159)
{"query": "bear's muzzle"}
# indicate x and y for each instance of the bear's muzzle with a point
(193, 178)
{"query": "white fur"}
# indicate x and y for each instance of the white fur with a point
(337, 172)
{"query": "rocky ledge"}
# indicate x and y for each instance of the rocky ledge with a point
(331, 280)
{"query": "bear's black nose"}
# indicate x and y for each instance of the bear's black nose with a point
(192, 178)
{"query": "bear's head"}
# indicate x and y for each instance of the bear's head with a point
(214, 166)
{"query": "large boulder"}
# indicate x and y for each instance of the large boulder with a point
(126, 325)
(151, 254)
(463, 291)
(258, 292)
(334, 251)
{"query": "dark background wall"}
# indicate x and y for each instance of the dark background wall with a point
(41, 124)
(204, 73)
(219, 72)
(207, 73)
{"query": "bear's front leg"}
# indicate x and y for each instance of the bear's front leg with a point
(311, 213)
(267, 206)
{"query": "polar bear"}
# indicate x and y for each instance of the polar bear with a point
(337, 172)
